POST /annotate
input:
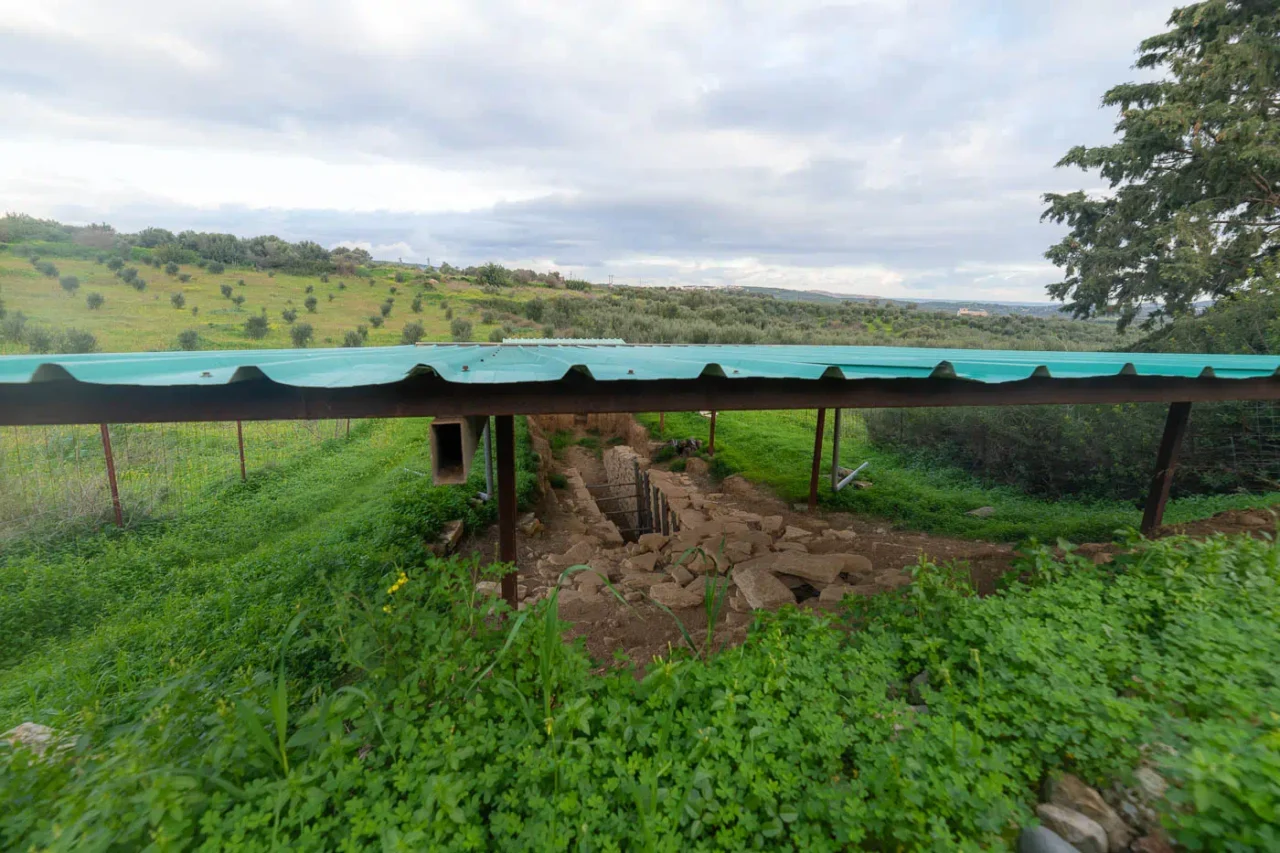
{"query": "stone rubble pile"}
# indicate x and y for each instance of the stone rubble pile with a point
(768, 563)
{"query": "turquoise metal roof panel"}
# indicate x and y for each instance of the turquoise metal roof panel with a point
(552, 361)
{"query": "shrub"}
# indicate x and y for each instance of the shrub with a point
(385, 308)
(289, 315)
(352, 339)
(37, 339)
(487, 318)
(256, 327)
(69, 283)
(128, 275)
(184, 277)
(94, 301)
(416, 305)
(460, 330)
(310, 303)
(13, 326)
(188, 339)
(678, 465)
(240, 282)
(76, 340)
(375, 320)
(178, 300)
(557, 481)
(100, 259)
(238, 299)
(115, 264)
(311, 288)
(138, 284)
(330, 297)
(411, 333)
(324, 277)
(496, 336)
(195, 309)
(216, 267)
(400, 277)
(47, 269)
(448, 313)
(342, 285)
(171, 268)
(301, 334)
(225, 290)
(271, 273)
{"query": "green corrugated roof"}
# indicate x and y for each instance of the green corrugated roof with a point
(548, 362)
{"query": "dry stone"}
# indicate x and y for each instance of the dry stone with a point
(696, 467)
(450, 536)
(1081, 832)
(799, 547)
(737, 485)
(738, 603)
(675, 596)
(579, 554)
(680, 575)
(793, 533)
(855, 564)
(761, 589)
(772, 524)
(819, 569)
(892, 579)
(643, 580)
(1071, 793)
(652, 541)
(645, 562)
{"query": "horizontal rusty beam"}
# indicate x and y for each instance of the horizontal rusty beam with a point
(70, 402)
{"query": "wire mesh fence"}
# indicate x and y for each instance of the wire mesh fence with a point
(55, 479)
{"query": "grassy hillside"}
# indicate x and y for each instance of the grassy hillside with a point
(131, 320)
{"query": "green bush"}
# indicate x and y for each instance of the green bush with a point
(184, 277)
(376, 321)
(310, 303)
(171, 268)
(412, 333)
(289, 315)
(69, 283)
(678, 465)
(460, 330)
(94, 301)
(385, 308)
(188, 339)
(75, 341)
(301, 334)
(226, 290)
(178, 300)
(352, 339)
(256, 327)
(557, 481)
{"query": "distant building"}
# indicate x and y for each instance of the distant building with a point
(967, 312)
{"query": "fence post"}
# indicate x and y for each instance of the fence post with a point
(111, 475)
(635, 467)
(712, 442)
(244, 476)
(348, 427)
(817, 460)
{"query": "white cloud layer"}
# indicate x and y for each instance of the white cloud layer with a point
(896, 147)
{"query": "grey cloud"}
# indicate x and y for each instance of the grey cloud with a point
(877, 98)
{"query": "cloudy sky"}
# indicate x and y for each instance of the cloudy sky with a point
(894, 147)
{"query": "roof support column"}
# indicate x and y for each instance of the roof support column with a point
(505, 433)
(835, 450)
(817, 460)
(1175, 428)
(712, 442)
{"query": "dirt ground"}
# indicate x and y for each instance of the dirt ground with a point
(616, 632)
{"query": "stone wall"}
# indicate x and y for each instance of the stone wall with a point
(620, 473)
(584, 503)
(608, 425)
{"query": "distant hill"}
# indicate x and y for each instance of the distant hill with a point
(945, 306)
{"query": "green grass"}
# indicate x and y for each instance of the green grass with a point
(407, 715)
(776, 449)
(91, 621)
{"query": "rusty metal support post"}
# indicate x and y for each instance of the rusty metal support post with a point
(662, 423)
(817, 460)
(711, 450)
(505, 433)
(1175, 428)
(111, 475)
(835, 449)
(244, 476)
